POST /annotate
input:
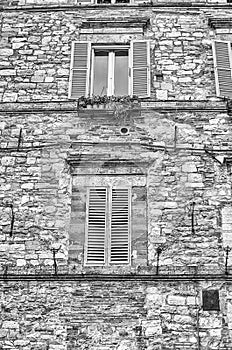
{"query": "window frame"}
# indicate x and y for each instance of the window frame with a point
(108, 231)
(111, 67)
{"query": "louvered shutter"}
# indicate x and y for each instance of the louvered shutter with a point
(140, 62)
(96, 226)
(223, 68)
(120, 226)
(80, 67)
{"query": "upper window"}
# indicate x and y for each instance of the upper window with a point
(223, 68)
(110, 72)
(107, 239)
(113, 1)
(110, 69)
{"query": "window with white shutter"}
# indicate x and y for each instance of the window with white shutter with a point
(140, 68)
(223, 68)
(119, 226)
(115, 70)
(96, 226)
(107, 227)
(79, 70)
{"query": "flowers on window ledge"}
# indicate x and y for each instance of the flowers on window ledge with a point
(101, 101)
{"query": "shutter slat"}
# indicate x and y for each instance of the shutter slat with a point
(119, 240)
(96, 226)
(223, 69)
(141, 68)
(79, 74)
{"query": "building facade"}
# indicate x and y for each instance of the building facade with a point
(115, 196)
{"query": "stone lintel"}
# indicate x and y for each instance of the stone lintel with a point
(223, 22)
(119, 22)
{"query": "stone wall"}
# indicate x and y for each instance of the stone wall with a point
(36, 48)
(175, 158)
(113, 315)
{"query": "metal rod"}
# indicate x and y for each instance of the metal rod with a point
(19, 139)
(192, 218)
(54, 251)
(198, 331)
(5, 272)
(175, 138)
(12, 220)
(159, 250)
(227, 256)
(54, 259)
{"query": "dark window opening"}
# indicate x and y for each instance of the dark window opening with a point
(210, 300)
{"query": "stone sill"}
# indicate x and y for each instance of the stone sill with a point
(115, 277)
(158, 5)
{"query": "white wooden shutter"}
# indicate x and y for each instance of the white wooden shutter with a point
(223, 68)
(96, 226)
(120, 226)
(79, 70)
(140, 63)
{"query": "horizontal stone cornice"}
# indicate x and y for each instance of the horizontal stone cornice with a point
(152, 104)
(116, 277)
(175, 6)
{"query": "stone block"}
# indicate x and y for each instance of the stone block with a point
(194, 177)
(10, 325)
(10, 97)
(185, 80)
(25, 52)
(6, 52)
(17, 45)
(49, 79)
(176, 300)
(210, 322)
(27, 186)
(46, 40)
(183, 319)
(3, 333)
(21, 342)
(166, 86)
(21, 262)
(189, 167)
(191, 301)
(7, 72)
(8, 161)
(37, 79)
(63, 72)
(161, 94)
(156, 299)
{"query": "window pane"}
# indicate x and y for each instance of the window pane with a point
(121, 73)
(100, 73)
